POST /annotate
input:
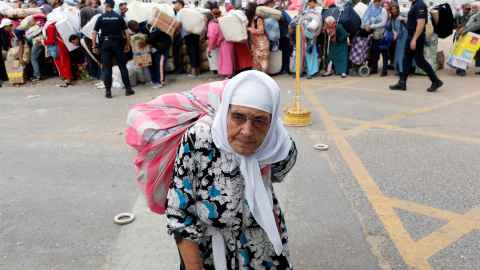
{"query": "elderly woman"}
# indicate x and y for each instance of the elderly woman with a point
(396, 23)
(338, 48)
(221, 206)
(473, 25)
(225, 48)
(374, 21)
(260, 44)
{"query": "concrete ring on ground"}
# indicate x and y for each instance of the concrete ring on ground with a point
(118, 220)
(321, 147)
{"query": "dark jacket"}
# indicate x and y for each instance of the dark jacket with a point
(282, 24)
(157, 38)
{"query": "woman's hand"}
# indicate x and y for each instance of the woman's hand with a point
(390, 17)
(142, 44)
(368, 28)
(249, 29)
(461, 31)
(38, 41)
(190, 254)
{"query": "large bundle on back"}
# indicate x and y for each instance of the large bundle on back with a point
(87, 30)
(234, 26)
(266, 12)
(345, 16)
(18, 13)
(140, 11)
(192, 21)
(163, 21)
(360, 8)
(154, 131)
(443, 25)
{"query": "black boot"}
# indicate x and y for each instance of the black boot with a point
(436, 83)
(108, 93)
(401, 85)
(129, 91)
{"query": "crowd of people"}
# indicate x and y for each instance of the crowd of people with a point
(230, 58)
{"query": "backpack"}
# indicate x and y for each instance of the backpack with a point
(445, 25)
(386, 40)
(155, 129)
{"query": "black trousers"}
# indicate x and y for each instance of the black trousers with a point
(177, 53)
(409, 55)
(3, 71)
(114, 49)
(286, 51)
(193, 49)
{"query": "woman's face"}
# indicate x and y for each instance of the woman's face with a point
(205, 19)
(394, 10)
(246, 137)
(474, 9)
(386, 6)
(376, 4)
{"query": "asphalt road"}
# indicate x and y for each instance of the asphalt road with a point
(397, 189)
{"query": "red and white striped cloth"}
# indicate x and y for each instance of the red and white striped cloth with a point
(154, 161)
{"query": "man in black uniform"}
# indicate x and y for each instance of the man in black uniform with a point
(417, 18)
(112, 41)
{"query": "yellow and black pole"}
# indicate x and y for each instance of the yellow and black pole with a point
(297, 116)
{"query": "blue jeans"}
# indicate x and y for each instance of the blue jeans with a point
(36, 52)
(375, 52)
(155, 67)
(93, 67)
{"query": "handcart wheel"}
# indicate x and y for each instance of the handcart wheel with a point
(353, 73)
(458, 71)
(364, 71)
(463, 73)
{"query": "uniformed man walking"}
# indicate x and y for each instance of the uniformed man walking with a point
(114, 37)
(417, 18)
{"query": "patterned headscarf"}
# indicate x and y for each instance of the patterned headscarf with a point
(330, 25)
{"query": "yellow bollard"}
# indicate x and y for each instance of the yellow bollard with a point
(297, 116)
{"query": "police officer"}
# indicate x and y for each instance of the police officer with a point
(417, 18)
(112, 40)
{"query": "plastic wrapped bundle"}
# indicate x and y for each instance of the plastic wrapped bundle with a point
(33, 32)
(26, 23)
(192, 21)
(26, 54)
(12, 54)
(34, 40)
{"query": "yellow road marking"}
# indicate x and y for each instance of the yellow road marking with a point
(416, 255)
(412, 131)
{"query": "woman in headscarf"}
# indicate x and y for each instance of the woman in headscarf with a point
(260, 44)
(386, 6)
(225, 48)
(221, 207)
(397, 25)
(338, 47)
(473, 25)
(374, 21)
(243, 54)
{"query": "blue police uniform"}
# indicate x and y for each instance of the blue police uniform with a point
(112, 44)
(417, 11)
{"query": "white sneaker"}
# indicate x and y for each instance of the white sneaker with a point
(101, 86)
(99, 83)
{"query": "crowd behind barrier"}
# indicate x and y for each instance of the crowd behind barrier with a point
(42, 39)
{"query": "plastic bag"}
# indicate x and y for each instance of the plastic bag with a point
(33, 32)
(131, 73)
(26, 54)
(140, 74)
(117, 76)
(12, 54)
(34, 40)
(148, 77)
(26, 23)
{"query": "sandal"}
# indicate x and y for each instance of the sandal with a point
(64, 85)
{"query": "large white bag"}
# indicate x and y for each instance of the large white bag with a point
(234, 26)
(360, 8)
(139, 11)
(274, 62)
(65, 29)
(87, 30)
(192, 21)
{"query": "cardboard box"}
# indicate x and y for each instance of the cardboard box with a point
(440, 60)
(16, 72)
(163, 21)
(141, 57)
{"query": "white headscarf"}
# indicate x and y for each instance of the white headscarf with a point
(257, 90)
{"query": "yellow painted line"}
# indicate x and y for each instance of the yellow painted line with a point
(417, 111)
(387, 215)
(445, 236)
(412, 131)
(433, 212)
